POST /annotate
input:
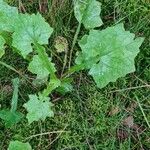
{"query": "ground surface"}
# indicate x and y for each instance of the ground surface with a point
(88, 118)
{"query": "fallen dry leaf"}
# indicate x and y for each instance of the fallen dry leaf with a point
(43, 6)
(7, 89)
(122, 134)
(114, 111)
(21, 7)
(132, 107)
(137, 128)
(129, 121)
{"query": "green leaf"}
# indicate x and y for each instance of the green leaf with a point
(88, 13)
(10, 118)
(8, 16)
(36, 66)
(17, 145)
(2, 42)
(52, 85)
(109, 54)
(45, 60)
(30, 29)
(65, 86)
(38, 108)
(39, 82)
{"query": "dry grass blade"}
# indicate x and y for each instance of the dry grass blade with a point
(43, 6)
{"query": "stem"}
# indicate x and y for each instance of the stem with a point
(46, 133)
(73, 69)
(54, 83)
(64, 62)
(74, 42)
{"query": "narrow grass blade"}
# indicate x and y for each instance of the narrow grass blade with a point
(142, 111)
(15, 94)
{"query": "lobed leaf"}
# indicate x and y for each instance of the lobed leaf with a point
(30, 29)
(36, 66)
(17, 145)
(2, 42)
(88, 13)
(109, 54)
(38, 107)
(8, 16)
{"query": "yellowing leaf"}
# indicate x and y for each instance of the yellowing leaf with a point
(30, 29)
(129, 121)
(109, 54)
(38, 108)
(88, 13)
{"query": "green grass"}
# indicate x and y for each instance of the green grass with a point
(83, 119)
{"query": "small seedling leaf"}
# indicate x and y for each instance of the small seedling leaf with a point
(38, 108)
(17, 145)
